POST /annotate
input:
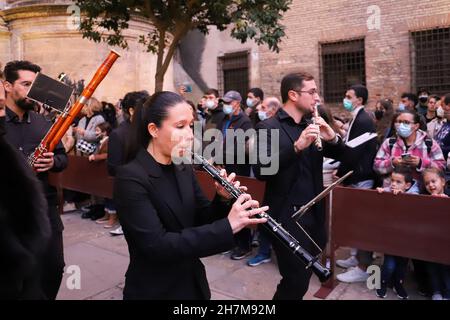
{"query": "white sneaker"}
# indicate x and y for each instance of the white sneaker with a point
(117, 232)
(354, 274)
(437, 296)
(347, 263)
(69, 207)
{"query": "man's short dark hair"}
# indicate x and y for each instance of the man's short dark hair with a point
(293, 81)
(411, 97)
(423, 90)
(257, 92)
(12, 69)
(360, 92)
(213, 91)
(131, 99)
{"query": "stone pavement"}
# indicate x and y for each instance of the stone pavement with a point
(103, 260)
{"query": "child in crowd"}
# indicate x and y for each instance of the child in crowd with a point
(102, 132)
(439, 274)
(394, 268)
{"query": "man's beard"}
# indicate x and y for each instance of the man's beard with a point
(25, 104)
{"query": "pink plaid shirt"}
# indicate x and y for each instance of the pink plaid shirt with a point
(384, 157)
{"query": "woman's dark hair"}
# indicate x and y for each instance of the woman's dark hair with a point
(154, 110)
(415, 115)
(386, 121)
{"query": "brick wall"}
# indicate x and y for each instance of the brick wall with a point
(310, 22)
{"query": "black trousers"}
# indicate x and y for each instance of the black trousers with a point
(53, 258)
(295, 277)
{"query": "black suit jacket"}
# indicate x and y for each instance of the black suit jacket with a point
(116, 147)
(361, 158)
(167, 237)
(285, 190)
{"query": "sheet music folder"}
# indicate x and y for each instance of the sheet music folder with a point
(50, 92)
(361, 139)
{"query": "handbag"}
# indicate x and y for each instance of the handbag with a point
(86, 148)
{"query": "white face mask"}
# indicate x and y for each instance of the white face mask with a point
(440, 112)
(210, 104)
(262, 115)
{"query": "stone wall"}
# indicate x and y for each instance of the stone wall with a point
(42, 34)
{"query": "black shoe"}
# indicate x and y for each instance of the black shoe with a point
(381, 293)
(240, 253)
(401, 292)
(86, 215)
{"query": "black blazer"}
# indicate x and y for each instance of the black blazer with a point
(116, 146)
(167, 237)
(285, 190)
(361, 158)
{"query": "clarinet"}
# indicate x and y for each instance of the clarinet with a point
(272, 225)
(318, 141)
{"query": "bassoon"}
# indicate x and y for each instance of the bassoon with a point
(65, 120)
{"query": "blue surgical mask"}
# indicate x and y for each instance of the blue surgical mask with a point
(348, 105)
(210, 104)
(227, 109)
(401, 107)
(250, 103)
(262, 115)
(404, 130)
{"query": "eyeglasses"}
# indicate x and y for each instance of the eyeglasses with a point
(404, 122)
(311, 92)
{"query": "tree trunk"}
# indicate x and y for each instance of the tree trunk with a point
(159, 81)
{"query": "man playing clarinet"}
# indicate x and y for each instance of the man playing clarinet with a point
(299, 177)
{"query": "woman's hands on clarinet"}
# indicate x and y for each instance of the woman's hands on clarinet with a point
(244, 209)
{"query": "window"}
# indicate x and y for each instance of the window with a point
(430, 60)
(233, 73)
(343, 65)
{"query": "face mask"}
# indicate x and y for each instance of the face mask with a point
(404, 130)
(348, 105)
(227, 108)
(2, 126)
(401, 107)
(210, 104)
(262, 115)
(250, 103)
(379, 114)
(440, 112)
(423, 99)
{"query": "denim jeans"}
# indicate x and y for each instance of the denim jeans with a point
(439, 276)
(264, 244)
(394, 269)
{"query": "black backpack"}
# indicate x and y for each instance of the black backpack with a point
(428, 143)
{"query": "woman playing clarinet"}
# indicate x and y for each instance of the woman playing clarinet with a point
(167, 221)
